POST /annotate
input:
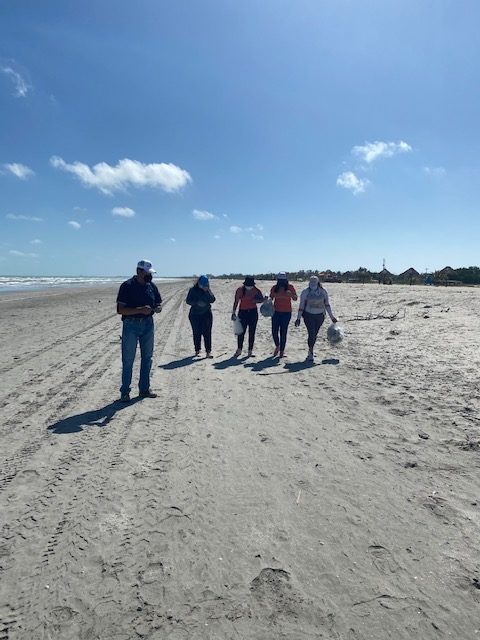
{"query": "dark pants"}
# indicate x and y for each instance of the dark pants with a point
(313, 322)
(280, 322)
(249, 319)
(202, 326)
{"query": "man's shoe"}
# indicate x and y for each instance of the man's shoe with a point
(147, 394)
(125, 397)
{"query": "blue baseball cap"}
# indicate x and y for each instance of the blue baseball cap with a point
(203, 281)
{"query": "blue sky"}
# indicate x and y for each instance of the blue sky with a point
(222, 136)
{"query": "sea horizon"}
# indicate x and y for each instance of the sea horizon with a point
(12, 283)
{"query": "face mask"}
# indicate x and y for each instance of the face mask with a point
(248, 288)
(313, 286)
(148, 277)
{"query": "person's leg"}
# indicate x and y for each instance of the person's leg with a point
(243, 319)
(284, 322)
(207, 331)
(252, 328)
(195, 321)
(309, 320)
(276, 328)
(146, 340)
(319, 318)
(129, 348)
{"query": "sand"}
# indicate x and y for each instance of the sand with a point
(254, 498)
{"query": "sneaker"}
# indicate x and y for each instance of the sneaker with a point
(147, 394)
(237, 353)
(209, 354)
(275, 353)
(197, 353)
(125, 397)
(310, 357)
(250, 354)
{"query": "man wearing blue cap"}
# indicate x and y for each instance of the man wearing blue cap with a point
(138, 299)
(200, 299)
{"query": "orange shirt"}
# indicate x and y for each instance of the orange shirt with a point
(282, 300)
(250, 300)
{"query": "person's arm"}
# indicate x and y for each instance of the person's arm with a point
(158, 299)
(258, 298)
(235, 304)
(211, 296)
(191, 297)
(293, 292)
(123, 310)
(301, 307)
(328, 307)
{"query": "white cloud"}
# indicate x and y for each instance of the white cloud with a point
(256, 237)
(123, 212)
(257, 227)
(13, 216)
(348, 180)
(371, 151)
(216, 237)
(436, 172)
(21, 254)
(89, 221)
(235, 229)
(21, 171)
(36, 241)
(199, 214)
(126, 173)
(74, 225)
(21, 86)
(172, 240)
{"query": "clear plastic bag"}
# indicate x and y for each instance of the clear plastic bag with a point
(335, 334)
(266, 309)
(237, 327)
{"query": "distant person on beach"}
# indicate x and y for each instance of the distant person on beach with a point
(313, 305)
(246, 299)
(200, 299)
(138, 299)
(282, 295)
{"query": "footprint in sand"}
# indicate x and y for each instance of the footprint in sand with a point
(383, 559)
(151, 580)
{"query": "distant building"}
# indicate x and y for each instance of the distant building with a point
(410, 275)
(385, 277)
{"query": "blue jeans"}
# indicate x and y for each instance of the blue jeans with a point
(280, 322)
(134, 331)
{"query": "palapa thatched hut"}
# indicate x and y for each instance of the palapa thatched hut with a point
(410, 275)
(385, 277)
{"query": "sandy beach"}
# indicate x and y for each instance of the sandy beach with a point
(254, 498)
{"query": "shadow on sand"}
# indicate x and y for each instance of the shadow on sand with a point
(177, 364)
(96, 418)
(293, 367)
(260, 365)
(229, 362)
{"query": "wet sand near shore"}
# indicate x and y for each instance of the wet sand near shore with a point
(255, 497)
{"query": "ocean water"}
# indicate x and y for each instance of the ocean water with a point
(42, 283)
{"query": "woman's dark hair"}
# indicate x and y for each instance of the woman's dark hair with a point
(283, 285)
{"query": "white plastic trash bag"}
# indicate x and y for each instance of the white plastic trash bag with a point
(237, 327)
(266, 308)
(335, 334)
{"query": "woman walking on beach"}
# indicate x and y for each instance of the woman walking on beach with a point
(313, 304)
(282, 295)
(200, 299)
(246, 299)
